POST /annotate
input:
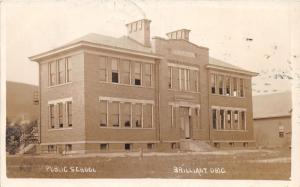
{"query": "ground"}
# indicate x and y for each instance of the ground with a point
(220, 164)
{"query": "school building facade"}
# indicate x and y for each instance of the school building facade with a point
(100, 93)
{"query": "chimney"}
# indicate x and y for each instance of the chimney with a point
(139, 31)
(179, 34)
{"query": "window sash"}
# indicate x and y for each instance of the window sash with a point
(69, 70)
(51, 116)
(61, 71)
(214, 119)
(213, 83)
(69, 113)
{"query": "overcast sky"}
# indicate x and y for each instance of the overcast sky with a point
(253, 35)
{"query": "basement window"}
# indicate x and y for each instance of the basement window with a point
(150, 146)
(245, 144)
(128, 146)
(217, 145)
(104, 147)
(51, 148)
(174, 145)
(68, 147)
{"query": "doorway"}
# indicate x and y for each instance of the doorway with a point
(185, 122)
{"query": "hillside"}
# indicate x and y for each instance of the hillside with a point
(20, 101)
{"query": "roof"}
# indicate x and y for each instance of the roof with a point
(272, 105)
(219, 64)
(122, 42)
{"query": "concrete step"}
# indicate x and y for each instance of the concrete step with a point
(195, 145)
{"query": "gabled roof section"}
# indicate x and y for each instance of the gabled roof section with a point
(272, 105)
(221, 65)
(124, 44)
(121, 42)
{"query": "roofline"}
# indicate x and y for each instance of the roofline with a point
(64, 48)
(212, 66)
(274, 116)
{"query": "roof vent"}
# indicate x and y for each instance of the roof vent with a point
(139, 31)
(179, 34)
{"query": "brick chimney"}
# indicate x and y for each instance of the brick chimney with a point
(179, 34)
(140, 31)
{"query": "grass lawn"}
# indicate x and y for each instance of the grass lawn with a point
(221, 164)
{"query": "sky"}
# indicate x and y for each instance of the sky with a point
(254, 35)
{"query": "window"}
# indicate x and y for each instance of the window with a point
(148, 75)
(126, 72)
(60, 115)
(103, 113)
(213, 83)
(220, 84)
(137, 73)
(52, 73)
(147, 116)
(174, 145)
(130, 28)
(245, 144)
(114, 71)
(281, 134)
(222, 118)
(214, 118)
(235, 86)
(51, 148)
(171, 115)
(182, 79)
(102, 68)
(69, 69)
(217, 145)
(175, 78)
(114, 114)
(140, 24)
(61, 71)
(128, 146)
(69, 113)
(241, 87)
(187, 79)
(135, 26)
(169, 77)
(229, 122)
(227, 83)
(51, 120)
(281, 131)
(194, 80)
(104, 147)
(243, 120)
(137, 115)
(68, 147)
(126, 114)
(150, 146)
(236, 119)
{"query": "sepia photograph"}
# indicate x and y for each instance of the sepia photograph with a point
(158, 89)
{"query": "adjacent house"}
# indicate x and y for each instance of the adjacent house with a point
(100, 93)
(272, 120)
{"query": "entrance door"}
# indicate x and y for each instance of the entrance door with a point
(185, 121)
